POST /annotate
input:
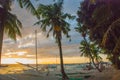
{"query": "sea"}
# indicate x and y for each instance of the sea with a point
(53, 67)
(67, 67)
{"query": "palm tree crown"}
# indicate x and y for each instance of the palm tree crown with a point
(53, 18)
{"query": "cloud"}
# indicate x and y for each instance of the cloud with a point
(46, 46)
(8, 41)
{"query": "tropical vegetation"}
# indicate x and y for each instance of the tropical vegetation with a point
(9, 23)
(98, 23)
(54, 20)
(88, 48)
(102, 20)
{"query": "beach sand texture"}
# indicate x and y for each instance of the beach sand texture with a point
(21, 72)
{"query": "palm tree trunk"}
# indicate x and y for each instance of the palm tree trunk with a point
(64, 75)
(92, 58)
(2, 13)
(1, 41)
(90, 62)
(36, 50)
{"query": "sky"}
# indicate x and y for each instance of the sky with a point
(23, 50)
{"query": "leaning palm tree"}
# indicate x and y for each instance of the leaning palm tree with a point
(86, 47)
(90, 51)
(9, 22)
(84, 51)
(96, 50)
(53, 20)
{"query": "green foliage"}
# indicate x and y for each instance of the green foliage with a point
(83, 49)
(29, 6)
(10, 22)
(94, 50)
(53, 18)
(102, 20)
(12, 26)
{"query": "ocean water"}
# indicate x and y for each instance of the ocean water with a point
(67, 67)
(50, 67)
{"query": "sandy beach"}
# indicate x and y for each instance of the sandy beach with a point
(21, 72)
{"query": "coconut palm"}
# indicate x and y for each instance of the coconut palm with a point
(87, 49)
(9, 23)
(29, 6)
(96, 50)
(84, 51)
(53, 20)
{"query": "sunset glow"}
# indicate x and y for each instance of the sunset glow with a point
(23, 49)
(15, 60)
(16, 53)
(43, 61)
(12, 57)
(68, 60)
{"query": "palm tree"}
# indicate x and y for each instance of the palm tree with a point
(96, 50)
(91, 51)
(86, 48)
(84, 51)
(53, 20)
(29, 6)
(9, 22)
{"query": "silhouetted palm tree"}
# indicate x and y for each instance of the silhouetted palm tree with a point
(53, 18)
(86, 48)
(9, 23)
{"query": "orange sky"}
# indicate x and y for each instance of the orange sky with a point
(43, 61)
(67, 60)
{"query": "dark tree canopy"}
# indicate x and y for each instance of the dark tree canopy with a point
(102, 20)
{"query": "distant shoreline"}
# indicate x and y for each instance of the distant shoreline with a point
(56, 64)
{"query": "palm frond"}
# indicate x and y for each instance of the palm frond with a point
(68, 16)
(12, 26)
(49, 31)
(54, 20)
(29, 6)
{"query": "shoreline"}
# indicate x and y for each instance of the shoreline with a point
(22, 72)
